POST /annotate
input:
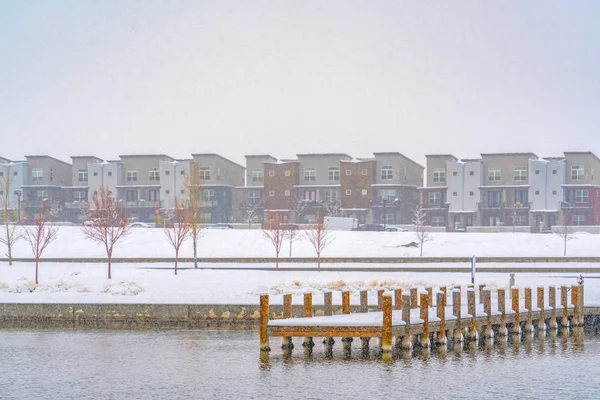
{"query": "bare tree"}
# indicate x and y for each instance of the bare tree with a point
(108, 223)
(11, 232)
(180, 229)
(250, 213)
(299, 207)
(419, 219)
(565, 233)
(292, 234)
(40, 235)
(320, 237)
(333, 208)
(193, 183)
(276, 235)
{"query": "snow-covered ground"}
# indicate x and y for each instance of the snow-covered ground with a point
(151, 242)
(156, 283)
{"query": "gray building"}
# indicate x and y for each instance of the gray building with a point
(47, 178)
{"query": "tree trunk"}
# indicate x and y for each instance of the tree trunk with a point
(565, 250)
(291, 247)
(176, 259)
(319, 262)
(37, 261)
(421, 248)
(109, 274)
(9, 245)
(277, 260)
(195, 254)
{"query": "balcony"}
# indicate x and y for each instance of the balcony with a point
(141, 204)
(77, 204)
(573, 206)
(430, 205)
(209, 203)
(491, 206)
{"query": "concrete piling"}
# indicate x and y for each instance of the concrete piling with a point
(264, 322)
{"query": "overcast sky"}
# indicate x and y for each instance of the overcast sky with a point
(106, 78)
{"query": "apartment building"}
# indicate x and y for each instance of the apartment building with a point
(464, 179)
(13, 175)
(435, 193)
(77, 193)
(46, 180)
(546, 177)
(581, 189)
(249, 199)
(357, 179)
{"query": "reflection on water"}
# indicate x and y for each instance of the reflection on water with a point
(172, 364)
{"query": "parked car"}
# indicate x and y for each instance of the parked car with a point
(395, 229)
(140, 225)
(220, 226)
(370, 227)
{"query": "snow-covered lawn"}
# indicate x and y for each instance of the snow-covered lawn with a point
(151, 242)
(156, 283)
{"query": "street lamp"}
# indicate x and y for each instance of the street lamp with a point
(384, 202)
(18, 192)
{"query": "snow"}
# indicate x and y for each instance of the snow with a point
(156, 282)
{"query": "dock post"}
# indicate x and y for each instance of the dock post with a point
(564, 322)
(502, 310)
(386, 331)
(328, 302)
(472, 307)
(264, 323)
(398, 299)
(514, 294)
(552, 303)
(581, 306)
(575, 301)
(541, 325)
(286, 342)
(345, 302)
(364, 307)
(308, 313)
(456, 311)
(529, 308)
(425, 342)
(406, 342)
(380, 293)
(481, 295)
(445, 290)
(414, 297)
(429, 291)
(441, 314)
(487, 308)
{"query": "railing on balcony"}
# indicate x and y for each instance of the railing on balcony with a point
(491, 205)
(566, 204)
(77, 204)
(141, 204)
(434, 205)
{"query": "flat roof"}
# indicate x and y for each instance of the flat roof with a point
(323, 155)
(218, 156)
(145, 155)
(52, 158)
(509, 154)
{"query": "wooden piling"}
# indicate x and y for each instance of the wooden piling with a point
(398, 299)
(406, 342)
(308, 313)
(502, 310)
(552, 303)
(441, 314)
(345, 302)
(380, 293)
(481, 296)
(564, 321)
(286, 342)
(386, 331)
(429, 291)
(541, 324)
(425, 342)
(364, 300)
(414, 297)
(264, 322)
(328, 303)
(581, 306)
(575, 321)
(514, 294)
(444, 289)
(487, 308)
(456, 311)
(472, 307)
(529, 307)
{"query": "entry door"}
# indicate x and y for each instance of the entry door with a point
(551, 221)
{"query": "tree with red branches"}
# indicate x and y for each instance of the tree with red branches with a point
(41, 234)
(107, 223)
(275, 233)
(180, 229)
(320, 237)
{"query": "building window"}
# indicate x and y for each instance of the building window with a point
(286, 193)
(310, 174)
(167, 191)
(154, 195)
(309, 195)
(537, 171)
(254, 197)
(208, 194)
(348, 171)
(286, 172)
(334, 174)
(387, 172)
(364, 192)
(82, 175)
(520, 174)
(131, 195)
(581, 196)
(331, 196)
(554, 193)
(578, 219)
(493, 198)
(454, 173)
(1, 173)
(454, 194)
(363, 172)
(348, 192)
(577, 173)
(204, 173)
(37, 174)
(271, 193)
(154, 174)
(167, 172)
(42, 194)
(271, 172)
(438, 220)
(258, 176)
(182, 172)
(521, 197)
(132, 175)
(471, 173)
(554, 172)
(15, 173)
(387, 194)
(494, 174)
(435, 198)
(471, 194)
(109, 173)
(79, 195)
(439, 175)
(537, 192)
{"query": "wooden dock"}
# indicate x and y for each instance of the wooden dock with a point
(422, 317)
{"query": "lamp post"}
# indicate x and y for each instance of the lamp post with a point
(18, 192)
(384, 202)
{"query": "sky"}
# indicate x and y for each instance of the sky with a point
(115, 77)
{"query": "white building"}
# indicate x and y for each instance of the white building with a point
(105, 175)
(16, 173)
(546, 177)
(463, 180)
(172, 181)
